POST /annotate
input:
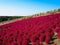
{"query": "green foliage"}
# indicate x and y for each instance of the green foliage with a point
(58, 10)
(6, 18)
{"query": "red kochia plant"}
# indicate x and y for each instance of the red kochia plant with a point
(33, 30)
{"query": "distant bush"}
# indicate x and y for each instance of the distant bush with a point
(5, 18)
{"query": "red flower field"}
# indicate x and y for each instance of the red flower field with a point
(33, 30)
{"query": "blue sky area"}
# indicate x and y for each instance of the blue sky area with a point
(27, 7)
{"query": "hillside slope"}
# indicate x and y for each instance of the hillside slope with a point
(32, 31)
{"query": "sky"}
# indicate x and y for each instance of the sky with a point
(26, 7)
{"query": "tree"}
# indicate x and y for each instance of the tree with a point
(58, 10)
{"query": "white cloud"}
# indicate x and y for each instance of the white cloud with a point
(10, 11)
(23, 11)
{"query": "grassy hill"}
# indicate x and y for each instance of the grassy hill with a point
(42, 30)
